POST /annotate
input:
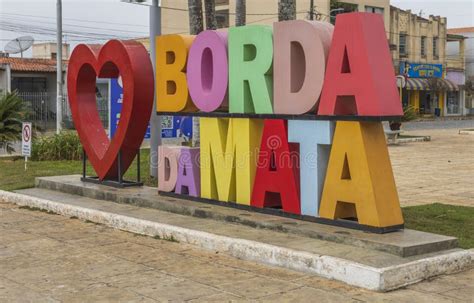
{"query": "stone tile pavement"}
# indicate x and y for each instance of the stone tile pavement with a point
(438, 171)
(50, 258)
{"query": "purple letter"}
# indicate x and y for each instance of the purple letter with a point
(207, 70)
(189, 179)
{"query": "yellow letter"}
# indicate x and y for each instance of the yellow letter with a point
(229, 150)
(359, 180)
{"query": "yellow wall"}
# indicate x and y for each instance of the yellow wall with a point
(404, 21)
(414, 100)
(441, 102)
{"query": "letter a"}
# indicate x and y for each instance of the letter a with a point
(359, 180)
(360, 79)
(277, 178)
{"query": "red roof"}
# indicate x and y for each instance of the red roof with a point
(31, 65)
(461, 30)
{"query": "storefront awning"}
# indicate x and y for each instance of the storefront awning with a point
(424, 84)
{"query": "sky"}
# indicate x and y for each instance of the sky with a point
(89, 20)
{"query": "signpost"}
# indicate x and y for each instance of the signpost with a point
(26, 136)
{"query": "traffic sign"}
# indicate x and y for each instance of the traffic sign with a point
(26, 135)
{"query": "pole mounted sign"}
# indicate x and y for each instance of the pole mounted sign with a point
(26, 137)
(291, 117)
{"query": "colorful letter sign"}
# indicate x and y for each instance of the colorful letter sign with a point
(250, 84)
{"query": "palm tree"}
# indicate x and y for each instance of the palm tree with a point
(195, 17)
(286, 10)
(210, 9)
(240, 13)
(13, 111)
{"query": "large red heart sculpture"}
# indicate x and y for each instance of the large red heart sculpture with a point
(131, 61)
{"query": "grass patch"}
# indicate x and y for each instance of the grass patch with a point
(449, 220)
(14, 177)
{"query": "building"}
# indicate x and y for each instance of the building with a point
(418, 47)
(381, 7)
(35, 81)
(49, 51)
(175, 18)
(456, 50)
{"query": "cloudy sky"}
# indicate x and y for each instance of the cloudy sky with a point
(92, 20)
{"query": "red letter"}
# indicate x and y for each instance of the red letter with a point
(277, 177)
(360, 79)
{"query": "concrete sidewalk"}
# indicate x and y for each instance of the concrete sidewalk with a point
(50, 258)
(439, 171)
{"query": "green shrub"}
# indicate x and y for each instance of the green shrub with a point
(12, 112)
(63, 146)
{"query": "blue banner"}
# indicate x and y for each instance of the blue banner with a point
(171, 126)
(421, 70)
(116, 100)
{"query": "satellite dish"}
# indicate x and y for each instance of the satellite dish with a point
(19, 45)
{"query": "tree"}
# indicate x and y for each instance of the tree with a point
(240, 12)
(210, 9)
(13, 112)
(286, 10)
(195, 17)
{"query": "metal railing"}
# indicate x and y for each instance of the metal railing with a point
(43, 110)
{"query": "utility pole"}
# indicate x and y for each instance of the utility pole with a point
(311, 10)
(155, 120)
(59, 66)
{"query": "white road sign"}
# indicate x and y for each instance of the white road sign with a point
(26, 134)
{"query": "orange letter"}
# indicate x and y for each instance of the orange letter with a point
(172, 93)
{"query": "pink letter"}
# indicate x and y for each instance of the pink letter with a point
(207, 70)
(167, 167)
(300, 53)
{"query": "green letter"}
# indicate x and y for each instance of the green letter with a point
(250, 69)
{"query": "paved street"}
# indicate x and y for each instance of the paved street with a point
(50, 258)
(438, 171)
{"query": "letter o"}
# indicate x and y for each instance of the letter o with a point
(207, 70)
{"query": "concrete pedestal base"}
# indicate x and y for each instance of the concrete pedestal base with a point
(376, 262)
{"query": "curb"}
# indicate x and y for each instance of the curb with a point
(353, 273)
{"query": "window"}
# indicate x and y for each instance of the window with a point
(423, 46)
(373, 9)
(340, 8)
(29, 84)
(452, 103)
(222, 2)
(435, 47)
(222, 18)
(402, 45)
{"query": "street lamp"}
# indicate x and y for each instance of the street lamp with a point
(155, 120)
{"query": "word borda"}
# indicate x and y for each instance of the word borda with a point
(300, 67)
